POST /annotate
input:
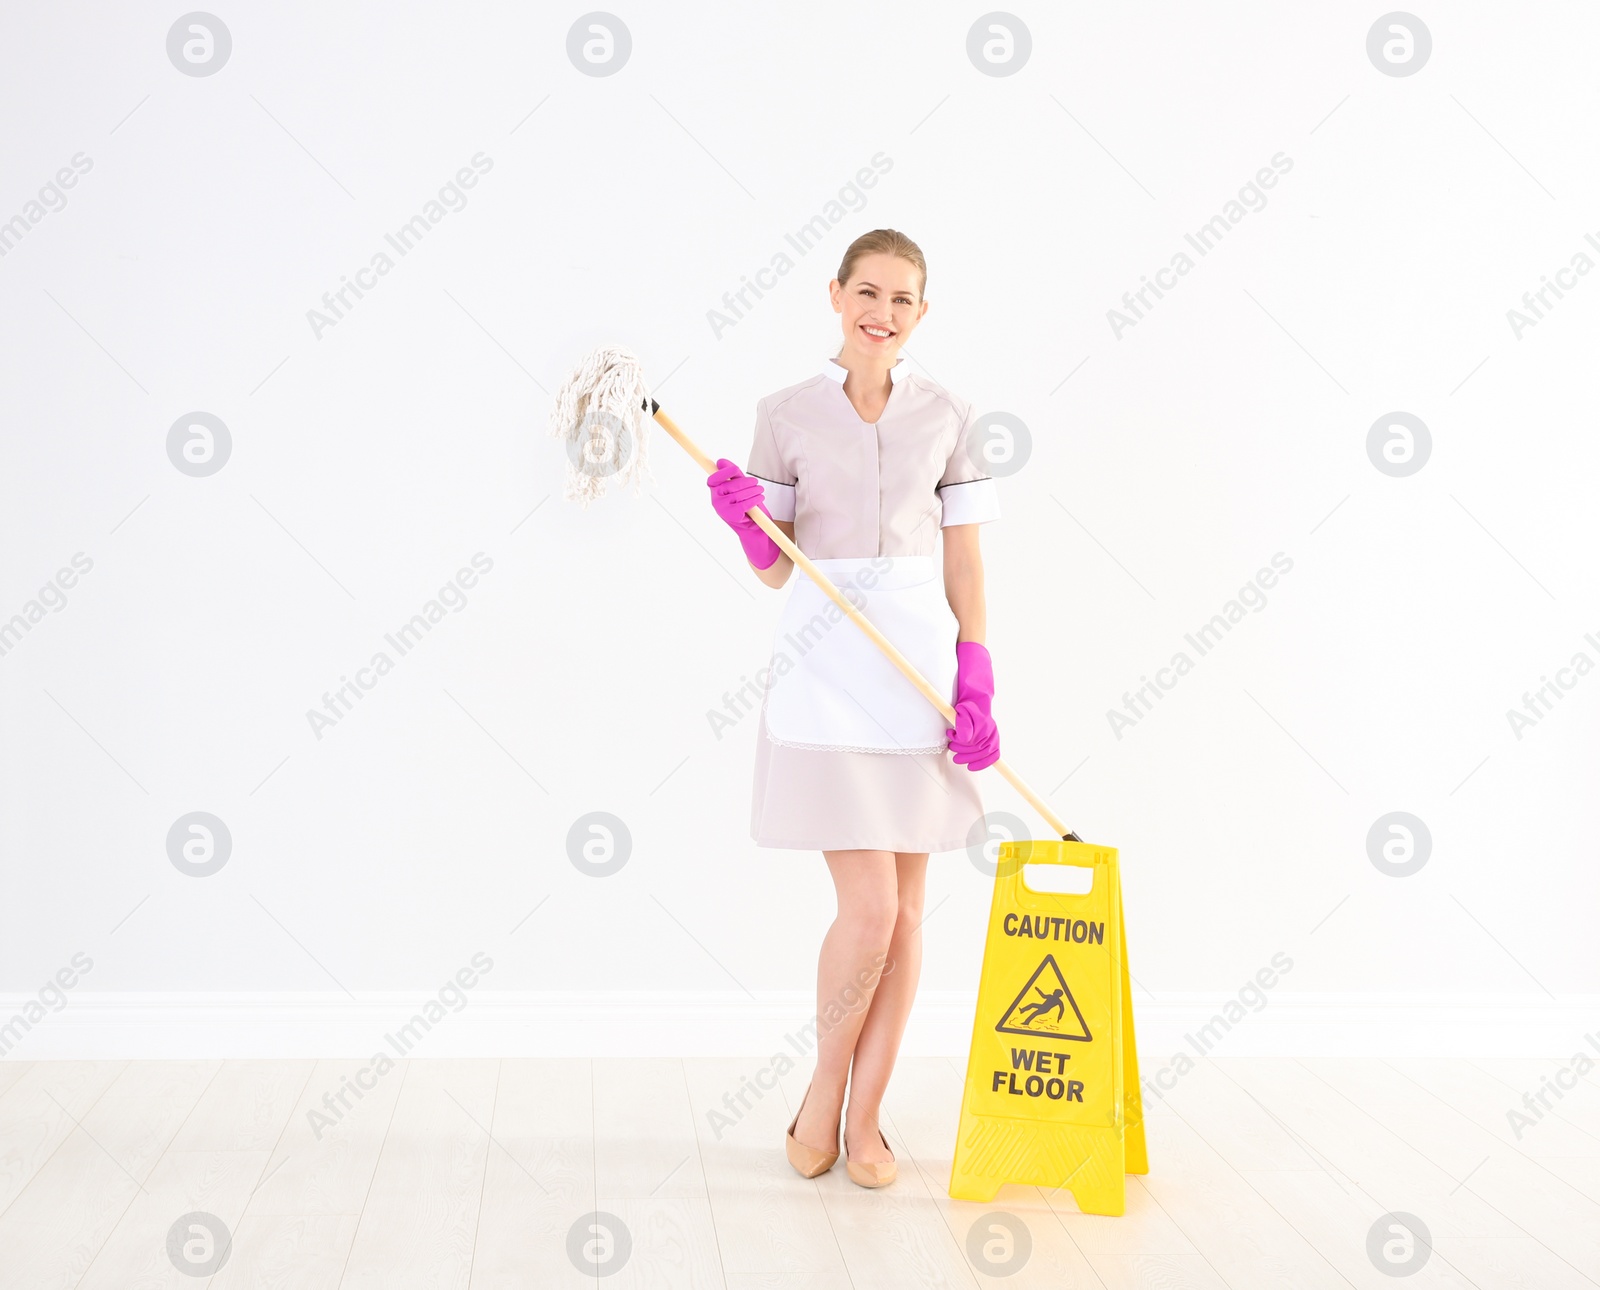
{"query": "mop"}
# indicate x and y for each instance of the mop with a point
(599, 414)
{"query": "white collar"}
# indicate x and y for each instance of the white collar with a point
(836, 370)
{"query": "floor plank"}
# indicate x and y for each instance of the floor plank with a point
(328, 1151)
(1157, 1272)
(1541, 1204)
(420, 1218)
(1233, 1122)
(1392, 1175)
(674, 1244)
(288, 1252)
(246, 1107)
(540, 1176)
(135, 1256)
(39, 1110)
(644, 1132)
(213, 1164)
(1510, 1264)
(1576, 1098)
(772, 1227)
(1331, 1213)
(648, 1172)
(1559, 1129)
(1244, 1239)
(11, 1072)
(55, 1228)
(57, 1224)
(1336, 1217)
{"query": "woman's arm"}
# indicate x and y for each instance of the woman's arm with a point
(777, 573)
(963, 580)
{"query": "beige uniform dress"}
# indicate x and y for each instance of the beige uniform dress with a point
(849, 754)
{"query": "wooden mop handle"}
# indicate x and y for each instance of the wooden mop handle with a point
(771, 529)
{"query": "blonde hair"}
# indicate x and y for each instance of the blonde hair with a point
(884, 240)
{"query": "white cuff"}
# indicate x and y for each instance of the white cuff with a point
(778, 497)
(974, 502)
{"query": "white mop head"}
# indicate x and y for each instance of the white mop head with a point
(600, 414)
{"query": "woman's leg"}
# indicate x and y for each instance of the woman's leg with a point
(852, 959)
(879, 1040)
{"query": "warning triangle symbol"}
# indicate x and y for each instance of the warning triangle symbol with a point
(1045, 1008)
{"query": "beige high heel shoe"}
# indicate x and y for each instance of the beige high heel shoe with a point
(808, 1160)
(872, 1173)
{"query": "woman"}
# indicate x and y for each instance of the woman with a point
(864, 466)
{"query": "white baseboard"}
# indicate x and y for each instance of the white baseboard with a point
(551, 1024)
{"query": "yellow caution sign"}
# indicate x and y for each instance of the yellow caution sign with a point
(1052, 1089)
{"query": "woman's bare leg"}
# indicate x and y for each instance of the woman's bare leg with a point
(879, 1041)
(852, 959)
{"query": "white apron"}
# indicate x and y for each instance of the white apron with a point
(831, 688)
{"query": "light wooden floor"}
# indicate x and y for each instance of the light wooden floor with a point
(472, 1173)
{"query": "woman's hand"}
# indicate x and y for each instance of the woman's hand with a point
(733, 493)
(976, 739)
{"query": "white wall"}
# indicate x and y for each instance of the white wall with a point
(372, 461)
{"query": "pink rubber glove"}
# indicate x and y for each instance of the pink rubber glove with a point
(732, 494)
(976, 740)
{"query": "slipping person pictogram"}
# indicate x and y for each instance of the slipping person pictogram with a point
(1031, 1016)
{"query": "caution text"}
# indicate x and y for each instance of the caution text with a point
(1044, 927)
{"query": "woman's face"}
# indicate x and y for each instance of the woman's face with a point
(879, 307)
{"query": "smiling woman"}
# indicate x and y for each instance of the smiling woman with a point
(866, 463)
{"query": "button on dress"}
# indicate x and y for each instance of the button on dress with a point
(849, 754)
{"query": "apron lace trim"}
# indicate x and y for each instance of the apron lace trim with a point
(789, 743)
